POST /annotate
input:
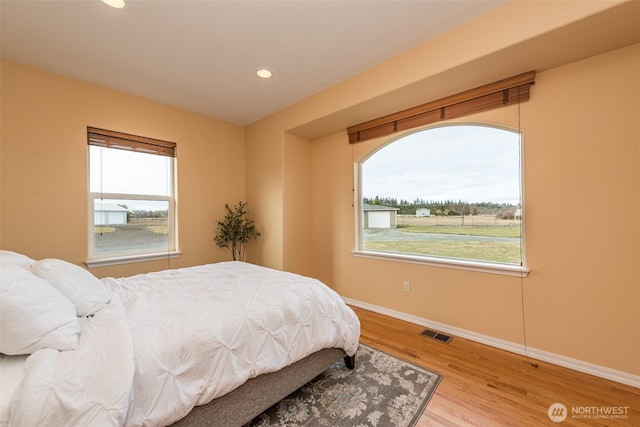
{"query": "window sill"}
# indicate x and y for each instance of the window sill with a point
(103, 262)
(459, 264)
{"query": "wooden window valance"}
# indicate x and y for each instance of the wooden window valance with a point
(124, 141)
(504, 92)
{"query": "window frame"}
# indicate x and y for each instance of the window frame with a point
(435, 261)
(114, 258)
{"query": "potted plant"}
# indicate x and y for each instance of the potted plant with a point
(235, 230)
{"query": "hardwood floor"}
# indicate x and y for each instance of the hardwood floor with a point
(485, 386)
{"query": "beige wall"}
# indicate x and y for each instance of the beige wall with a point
(582, 186)
(298, 211)
(44, 166)
(264, 160)
(582, 152)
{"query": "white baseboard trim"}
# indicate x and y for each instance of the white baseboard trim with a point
(545, 356)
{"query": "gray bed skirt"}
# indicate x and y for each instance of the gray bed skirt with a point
(256, 395)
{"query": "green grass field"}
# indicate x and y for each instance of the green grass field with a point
(503, 252)
(466, 230)
(420, 236)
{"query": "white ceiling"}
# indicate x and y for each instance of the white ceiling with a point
(202, 55)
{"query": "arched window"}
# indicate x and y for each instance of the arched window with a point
(448, 194)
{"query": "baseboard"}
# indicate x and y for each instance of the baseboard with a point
(545, 356)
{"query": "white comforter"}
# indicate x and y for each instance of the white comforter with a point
(179, 338)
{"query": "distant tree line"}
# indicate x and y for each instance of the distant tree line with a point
(150, 214)
(446, 207)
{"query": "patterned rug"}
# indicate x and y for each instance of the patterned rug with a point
(381, 391)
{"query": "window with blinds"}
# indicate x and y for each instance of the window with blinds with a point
(132, 206)
(448, 194)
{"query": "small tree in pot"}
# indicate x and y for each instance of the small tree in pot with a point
(235, 230)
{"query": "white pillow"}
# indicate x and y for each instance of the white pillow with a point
(34, 315)
(15, 258)
(83, 289)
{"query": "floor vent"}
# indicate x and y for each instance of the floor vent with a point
(439, 336)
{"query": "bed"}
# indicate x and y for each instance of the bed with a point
(214, 344)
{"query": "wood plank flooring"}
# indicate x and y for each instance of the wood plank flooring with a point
(485, 386)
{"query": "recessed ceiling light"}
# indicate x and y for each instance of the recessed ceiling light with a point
(118, 4)
(264, 73)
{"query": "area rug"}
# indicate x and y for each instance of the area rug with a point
(381, 391)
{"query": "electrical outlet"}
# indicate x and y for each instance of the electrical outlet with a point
(406, 286)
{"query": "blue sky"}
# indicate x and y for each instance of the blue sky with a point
(469, 163)
(121, 171)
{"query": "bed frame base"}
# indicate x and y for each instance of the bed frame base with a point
(350, 361)
(258, 394)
